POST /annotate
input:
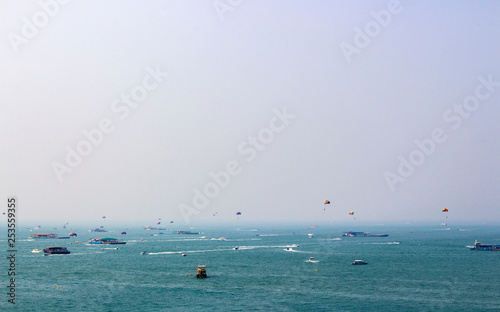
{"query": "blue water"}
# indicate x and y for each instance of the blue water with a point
(413, 269)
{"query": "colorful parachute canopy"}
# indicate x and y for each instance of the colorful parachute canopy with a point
(238, 213)
(158, 222)
(104, 217)
(327, 202)
(351, 213)
(445, 210)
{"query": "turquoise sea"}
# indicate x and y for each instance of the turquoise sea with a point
(413, 269)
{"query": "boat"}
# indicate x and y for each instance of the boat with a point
(311, 235)
(106, 241)
(72, 234)
(201, 271)
(98, 230)
(236, 248)
(487, 247)
(363, 234)
(36, 251)
(311, 259)
(359, 262)
(288, 249)
(184, 232)
(183, 254)
(44, 235)
(55, 250)
(144, 253)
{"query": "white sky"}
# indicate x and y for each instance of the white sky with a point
(223, 73)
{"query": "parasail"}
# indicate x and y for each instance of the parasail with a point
(238, 213)
(445, 210)
(351, 213)
(327, 202)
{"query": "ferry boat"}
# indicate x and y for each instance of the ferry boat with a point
(55, 250)
(489, 247)
(201, 271)
(363, 234)
(106, 241)
(359, 262)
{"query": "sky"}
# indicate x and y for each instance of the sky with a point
(192, 111)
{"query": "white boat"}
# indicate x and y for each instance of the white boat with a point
(311, 235)
(289, 249)
(311, 259)
(36, 251)
(236, 248)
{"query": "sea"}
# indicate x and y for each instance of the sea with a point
(415, 268)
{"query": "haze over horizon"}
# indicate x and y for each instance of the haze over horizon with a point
(193, 111)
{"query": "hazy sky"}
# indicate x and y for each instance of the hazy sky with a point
(180, 109)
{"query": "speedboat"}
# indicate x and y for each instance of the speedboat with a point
(311, 259)
(36, 251)
(144, 253)
(359, 262)
(183, 254)
(235, 248)
(311, 235)
(288, 249)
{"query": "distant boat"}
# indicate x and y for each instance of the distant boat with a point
(97, 230)
(144, 253)
(48, 235)
(363, 234)
(288, 249)
(359, 262)
(36, 251)
(311, 235)
(201, 271)
(184, 232)
(235, 248)
(183, 254)
(106, 241)
(311, 259)
(54, 250)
